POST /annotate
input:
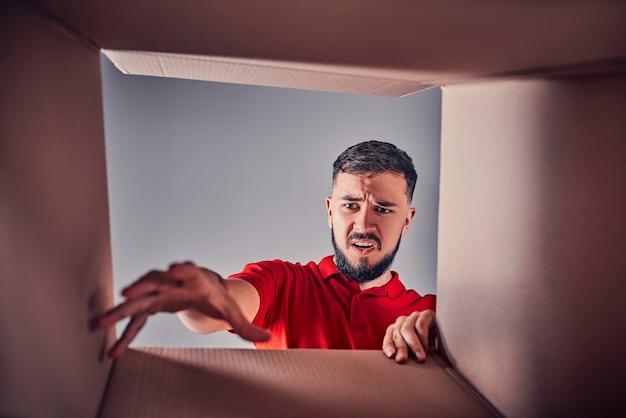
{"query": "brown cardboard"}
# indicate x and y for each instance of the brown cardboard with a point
(448, 38)
(266, 73)
(532, 241)
(55, 267)
(531, 255)
(161, 382)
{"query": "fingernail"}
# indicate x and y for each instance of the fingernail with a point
(419, 355)
(389, 352)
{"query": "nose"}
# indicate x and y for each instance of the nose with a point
(363, 219)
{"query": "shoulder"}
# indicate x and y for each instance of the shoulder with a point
(397, 290)
(278, 268)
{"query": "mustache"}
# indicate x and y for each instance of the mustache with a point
(369, 236)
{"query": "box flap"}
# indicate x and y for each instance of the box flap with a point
(162, 382)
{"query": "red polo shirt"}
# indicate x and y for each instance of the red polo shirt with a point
(314, 306)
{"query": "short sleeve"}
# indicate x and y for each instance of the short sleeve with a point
(267, 277)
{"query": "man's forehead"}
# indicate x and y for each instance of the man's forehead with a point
(368, 177)
(386, 183)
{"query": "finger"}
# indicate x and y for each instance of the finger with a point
(252, 332)
(152, 282)
(126, 309)
(134, 326)
(410, 336)
(432, 338)
(389, 348)
(402, 349)
(423, 326)
(396, 341)
(220, 304)
(184, 263)
(184, 270)
(236, 318)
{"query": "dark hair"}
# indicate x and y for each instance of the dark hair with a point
(376, 157)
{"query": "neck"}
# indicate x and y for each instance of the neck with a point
(379, 281)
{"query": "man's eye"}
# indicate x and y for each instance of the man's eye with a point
(350, 205)
(383, 210)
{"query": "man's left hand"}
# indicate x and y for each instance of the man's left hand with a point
(411, 336)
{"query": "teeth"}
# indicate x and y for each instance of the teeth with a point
(363, 244)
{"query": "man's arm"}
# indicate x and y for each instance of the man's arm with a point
(204, 300)
(244, 294)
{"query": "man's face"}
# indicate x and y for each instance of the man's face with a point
(368, 215)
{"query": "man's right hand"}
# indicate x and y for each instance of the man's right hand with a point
(182, 287)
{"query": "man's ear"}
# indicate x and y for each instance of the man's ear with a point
(407, 221)
(329, 211)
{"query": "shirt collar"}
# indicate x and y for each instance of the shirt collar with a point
(392, 289)
(328, 268)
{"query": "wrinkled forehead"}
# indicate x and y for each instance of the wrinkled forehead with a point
(387, 186)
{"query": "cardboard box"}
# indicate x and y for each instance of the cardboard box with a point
(532, 232)
(162, 382)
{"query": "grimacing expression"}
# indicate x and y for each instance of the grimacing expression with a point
(368, 214)
(363, 272)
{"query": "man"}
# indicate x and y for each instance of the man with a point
(351, 300)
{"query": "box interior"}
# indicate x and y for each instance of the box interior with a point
(532, 232)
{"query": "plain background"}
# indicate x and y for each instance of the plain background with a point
(224, 174)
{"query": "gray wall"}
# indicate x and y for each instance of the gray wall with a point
(225, 174)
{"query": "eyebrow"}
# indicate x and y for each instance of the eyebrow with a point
(351, 198)
(382, 203)
(386, 204)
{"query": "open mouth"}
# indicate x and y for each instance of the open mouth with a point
(364, 244)
(363, 248)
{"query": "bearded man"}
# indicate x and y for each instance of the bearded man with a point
(349, 300)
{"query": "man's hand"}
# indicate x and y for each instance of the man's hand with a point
(182, 287)
(412, 335)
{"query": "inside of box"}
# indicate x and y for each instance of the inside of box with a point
(532, 234)
(268, 383)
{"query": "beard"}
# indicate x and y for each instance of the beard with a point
(362, 272)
